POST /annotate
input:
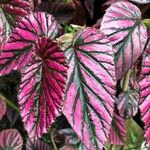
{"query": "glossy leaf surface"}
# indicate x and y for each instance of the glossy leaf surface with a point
(90, 90)
(42, 87)
(10, 139)
(122, 24)
(17, 51)
(145, 94)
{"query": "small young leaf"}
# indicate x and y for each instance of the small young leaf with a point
(2, 107)
(90, 91)
(42, 87)
(117, 134)
(127, 103)
(10, 139)
(17, 51)
(145, 94)
(122, 23)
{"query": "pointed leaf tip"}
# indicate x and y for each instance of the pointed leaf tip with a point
(42, 87)
(90, 91)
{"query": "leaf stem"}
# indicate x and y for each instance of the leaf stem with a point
(9, 103)
(146, 22)
(52, 139)
(126, 80)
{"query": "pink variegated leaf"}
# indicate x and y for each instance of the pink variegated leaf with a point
(2, 107)
(42, 87)
(14, 10)
(90, 91)
(17, 51)
(117, 133)
(122, 23)
(141, 1)
(37, 145)
(10, 139)
(145, 94)
(127, 103)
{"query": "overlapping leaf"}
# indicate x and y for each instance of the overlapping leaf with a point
(145, 94)
(17, 51)
(42, 87)
(117, 134)
(10, 139)
(37, 145)
(2, 107)
(127, 103)
(14, 10)
(91, 87)
(128, 35)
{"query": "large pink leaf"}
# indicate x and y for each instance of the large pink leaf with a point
(42, 87)
(10, 139)
(2, 107)
(117, 134)
(17, 51)
(14, 10)
(37, 145)
(90, 92)
(145, 94)
(126, 32)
